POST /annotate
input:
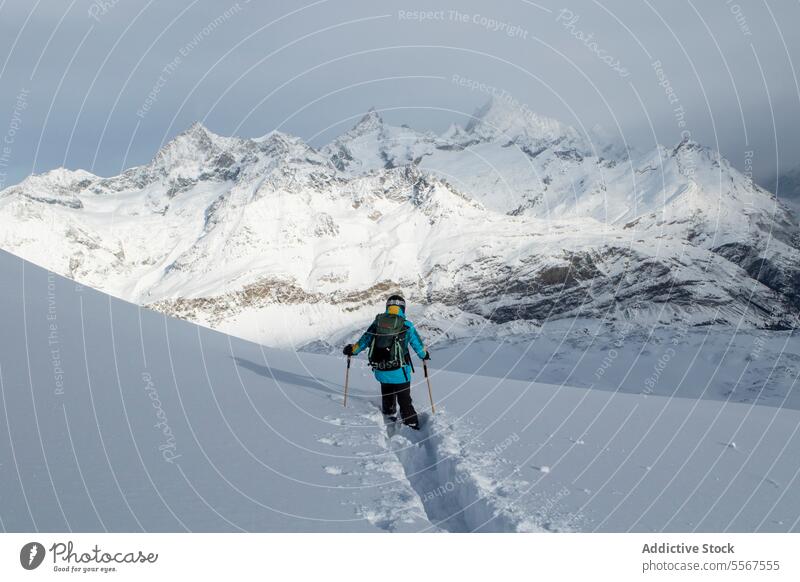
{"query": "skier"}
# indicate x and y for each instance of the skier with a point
(387, 339)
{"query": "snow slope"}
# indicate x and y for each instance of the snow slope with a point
(122, 419)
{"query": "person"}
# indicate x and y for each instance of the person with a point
(387, 339)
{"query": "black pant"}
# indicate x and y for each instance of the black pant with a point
(393, 394)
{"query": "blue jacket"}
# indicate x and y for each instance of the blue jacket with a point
(401, 375)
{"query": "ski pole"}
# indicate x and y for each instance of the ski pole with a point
(430, 392)
(346, 380)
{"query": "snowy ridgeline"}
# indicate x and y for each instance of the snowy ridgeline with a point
(121, 419)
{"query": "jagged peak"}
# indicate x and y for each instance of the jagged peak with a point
(198, 131)
(508, 120)
(688, 146)
(506, 114)
(278, 143)
(195, 142)
(369, 122)
(194, 136)
(197, 126)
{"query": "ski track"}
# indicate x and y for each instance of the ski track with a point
(450, 490)
(452, 497)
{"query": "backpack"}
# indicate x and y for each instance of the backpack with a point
(388, 349)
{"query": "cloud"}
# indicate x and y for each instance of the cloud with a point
(311, 69)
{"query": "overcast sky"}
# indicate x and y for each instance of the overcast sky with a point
(101, 85)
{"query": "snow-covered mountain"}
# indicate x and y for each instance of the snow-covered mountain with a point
(511, 218)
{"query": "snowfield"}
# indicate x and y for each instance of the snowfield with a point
(119, 418)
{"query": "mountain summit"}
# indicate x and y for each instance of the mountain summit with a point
(506, 122)
(371, 121)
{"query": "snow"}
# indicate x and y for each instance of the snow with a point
(123, 419)
(709, 362)
(613, 336)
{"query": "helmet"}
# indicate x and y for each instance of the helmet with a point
(396, 300)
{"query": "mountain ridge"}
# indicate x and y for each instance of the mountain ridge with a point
(254, 235)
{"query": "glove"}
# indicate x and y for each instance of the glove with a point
(427, 356)
(348, 350)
